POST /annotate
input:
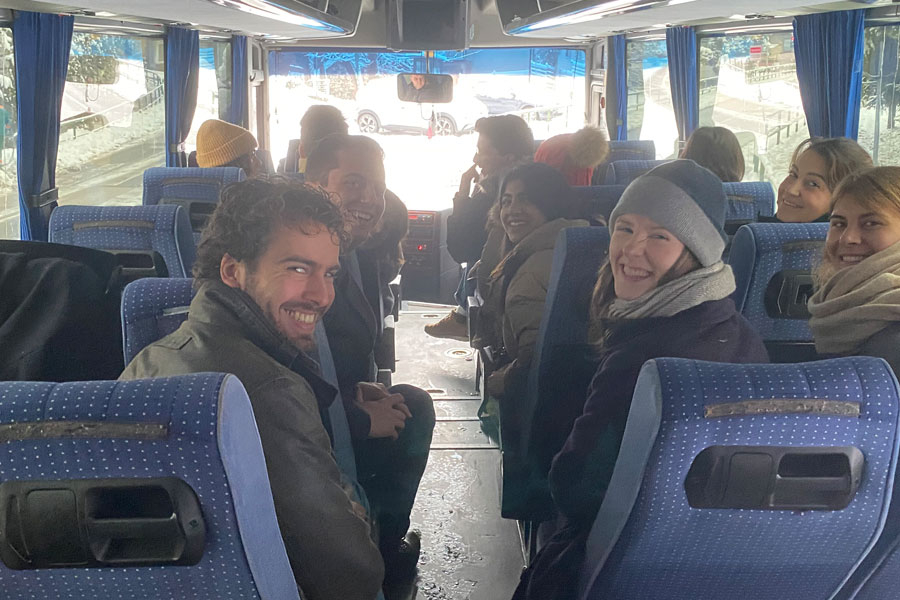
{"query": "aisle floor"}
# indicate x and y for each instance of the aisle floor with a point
(468, 551)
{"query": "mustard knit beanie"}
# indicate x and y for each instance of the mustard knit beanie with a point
(219, 143)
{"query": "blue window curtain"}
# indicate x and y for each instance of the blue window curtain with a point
(239, 81)
(182, 79)
(681, 48)
(617, 56)
(41, 47)
(829, 52)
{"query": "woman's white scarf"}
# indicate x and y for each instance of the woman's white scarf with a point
(714, 282)
(856, 303)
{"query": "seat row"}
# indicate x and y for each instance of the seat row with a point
(733, 481)
(772, 264)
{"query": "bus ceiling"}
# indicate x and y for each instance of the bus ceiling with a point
(413, 24)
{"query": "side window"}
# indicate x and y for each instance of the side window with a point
(651, 115)
(9, 189)
(878, 122)
(748, 83)
(214, 87)
(112, 123)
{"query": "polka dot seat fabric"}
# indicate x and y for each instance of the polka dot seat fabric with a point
(210, 443)
(747, 200)
(187, 183)
(759, 252)
(648, 542)
(153, 308)
(623, 150)
(561, 344)
(189, 187)
(598, 199)
(623, 172)
(165, 229)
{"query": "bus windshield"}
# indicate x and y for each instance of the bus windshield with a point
(427, 146)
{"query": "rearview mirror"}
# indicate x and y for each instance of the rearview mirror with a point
(424, 87)
(99, 70)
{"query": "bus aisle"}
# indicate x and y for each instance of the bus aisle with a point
(468, 551)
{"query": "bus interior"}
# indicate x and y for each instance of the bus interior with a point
(124, 107)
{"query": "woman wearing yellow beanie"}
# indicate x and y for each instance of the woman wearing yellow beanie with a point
(222, 144)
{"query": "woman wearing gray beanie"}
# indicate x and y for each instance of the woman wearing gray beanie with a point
(664, 291)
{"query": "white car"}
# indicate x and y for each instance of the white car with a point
(378, 108)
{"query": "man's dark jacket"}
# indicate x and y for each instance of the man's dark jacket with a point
(329, 546)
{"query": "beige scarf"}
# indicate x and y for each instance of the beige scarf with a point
(714, 282)
(856, 303)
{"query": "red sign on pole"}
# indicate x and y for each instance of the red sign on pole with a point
(755, 49)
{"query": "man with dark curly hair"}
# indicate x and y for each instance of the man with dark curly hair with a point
(264, 276)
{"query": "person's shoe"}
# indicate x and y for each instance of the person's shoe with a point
(400, 565)
(452, 327)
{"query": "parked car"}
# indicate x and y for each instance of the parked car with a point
(379, 109)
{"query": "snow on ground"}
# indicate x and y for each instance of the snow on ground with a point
(888, 139)
(79, 148)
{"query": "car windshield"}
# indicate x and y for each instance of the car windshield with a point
(427, 146)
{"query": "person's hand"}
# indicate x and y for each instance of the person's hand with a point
(495, 384)
(465, 182)
(367, 391)
(387, 413)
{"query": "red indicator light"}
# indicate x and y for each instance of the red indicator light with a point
(421, 247)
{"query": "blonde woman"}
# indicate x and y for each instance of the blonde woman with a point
(817, 166)
(856, 308)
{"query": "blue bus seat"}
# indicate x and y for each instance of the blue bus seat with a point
(194, 188)
(597, 200)
(772, 265)
(623, 172)
(289, 163)
(131, 232)
(151, 310)
(154, 308)
(560, 372)
(624, 150)
(342, 442)
(746, 201)
(198, 429)
(740, 481)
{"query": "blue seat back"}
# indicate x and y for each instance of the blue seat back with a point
(623, 172)
(624, 150)
(648, 542)
(562, 362)
(154, 308)
(188, 183)
(598, 199)
(205, 435)
(195, 189)
(340, 429)
(762, 255)
(748, 199)
(151, 310)
(164, 229)
(631, 150)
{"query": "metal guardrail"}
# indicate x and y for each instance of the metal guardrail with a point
(92, 121)
(794, 119)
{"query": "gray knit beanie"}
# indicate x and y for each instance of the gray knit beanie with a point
(686, 199)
